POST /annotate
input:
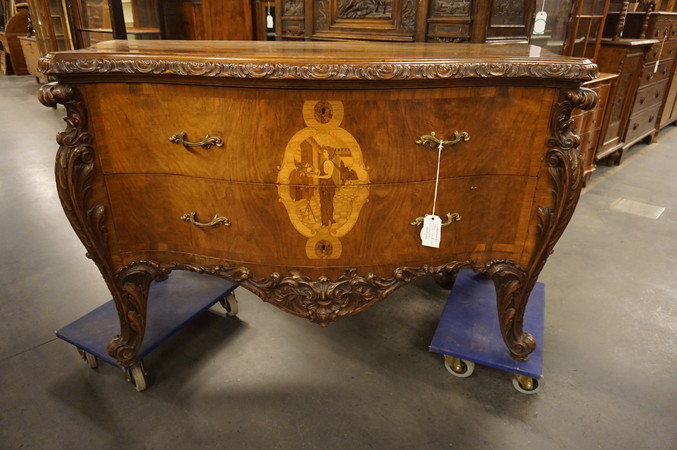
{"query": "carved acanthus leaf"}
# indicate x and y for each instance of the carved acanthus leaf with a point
(343, 72)
(321, 300)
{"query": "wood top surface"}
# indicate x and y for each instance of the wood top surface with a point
(319, 60)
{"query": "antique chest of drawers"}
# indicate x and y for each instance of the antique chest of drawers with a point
(655, 78)
(626, 58)
(652, 98)
(588, 124)
(302, 171)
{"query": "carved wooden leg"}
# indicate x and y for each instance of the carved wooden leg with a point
(131, 298)
(512, 293)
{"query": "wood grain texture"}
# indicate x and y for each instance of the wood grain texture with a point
(385, 123)
(321, 61)
(146, 218)
(337, 238)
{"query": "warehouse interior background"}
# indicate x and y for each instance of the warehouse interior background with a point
(269, 380)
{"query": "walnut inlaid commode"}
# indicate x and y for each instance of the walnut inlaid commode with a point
(293, 169)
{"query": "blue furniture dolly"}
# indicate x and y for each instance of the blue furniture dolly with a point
(172, 304)
(468, 332)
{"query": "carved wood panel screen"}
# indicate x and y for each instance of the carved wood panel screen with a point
(406, 20)
(392, 20)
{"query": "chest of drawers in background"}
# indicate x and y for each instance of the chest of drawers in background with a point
(588, 124)
(669, 108)
(654, 78)
(653, 105)
(624, 57)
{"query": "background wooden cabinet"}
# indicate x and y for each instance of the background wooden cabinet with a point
(406, 20)
(207, 19)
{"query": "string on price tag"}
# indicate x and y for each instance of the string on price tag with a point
(269, 19)
(431, 232)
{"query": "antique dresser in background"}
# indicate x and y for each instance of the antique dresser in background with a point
(649, 82)
(303, 170)
(626, 58)
(588, 123)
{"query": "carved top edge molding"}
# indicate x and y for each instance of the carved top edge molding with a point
(318, 72)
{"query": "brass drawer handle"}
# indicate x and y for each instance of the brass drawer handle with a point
(434, 141)
(217, 220)
(206, 142)
(451, 217)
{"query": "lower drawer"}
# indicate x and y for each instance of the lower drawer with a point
(588, 149)
(652, 74)
(320, 226)
(641, 124)
(649, 96)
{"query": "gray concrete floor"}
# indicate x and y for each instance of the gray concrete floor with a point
(270, 380)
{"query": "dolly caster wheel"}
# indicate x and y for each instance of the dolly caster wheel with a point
(230, 304)
(137, 375)
(91, 360)
(526, 385)
(458, 367)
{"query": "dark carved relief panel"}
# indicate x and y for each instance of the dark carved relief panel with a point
(408, 18)
(362, 9)
(293, 19)
(292, 8)
(404, 21)
(446, 8)
(623, 88)
(507, 12)
(390, 20)
(321, 15)
(449, 21)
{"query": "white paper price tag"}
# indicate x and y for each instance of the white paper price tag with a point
(539, 23)
(431, 231)
(269, 21)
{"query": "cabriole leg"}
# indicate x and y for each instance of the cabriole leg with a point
(131, 299)
(512, 293)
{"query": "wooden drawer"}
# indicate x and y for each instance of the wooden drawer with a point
(642, 123)
(590, 121)
(131, 125)
(670, 50)
(652, 75)
(588, 149)
(269, 229)
(658, 28)
(661, 50)
(586, 121)
(649, 96)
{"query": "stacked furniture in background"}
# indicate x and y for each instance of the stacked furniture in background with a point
(406, 20)
(626, 58)
(588, 124)
(12, 52)
(647, 64)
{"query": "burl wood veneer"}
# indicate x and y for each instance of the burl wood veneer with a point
(309, 179)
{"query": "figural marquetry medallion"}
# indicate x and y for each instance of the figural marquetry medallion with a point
(323, 181)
